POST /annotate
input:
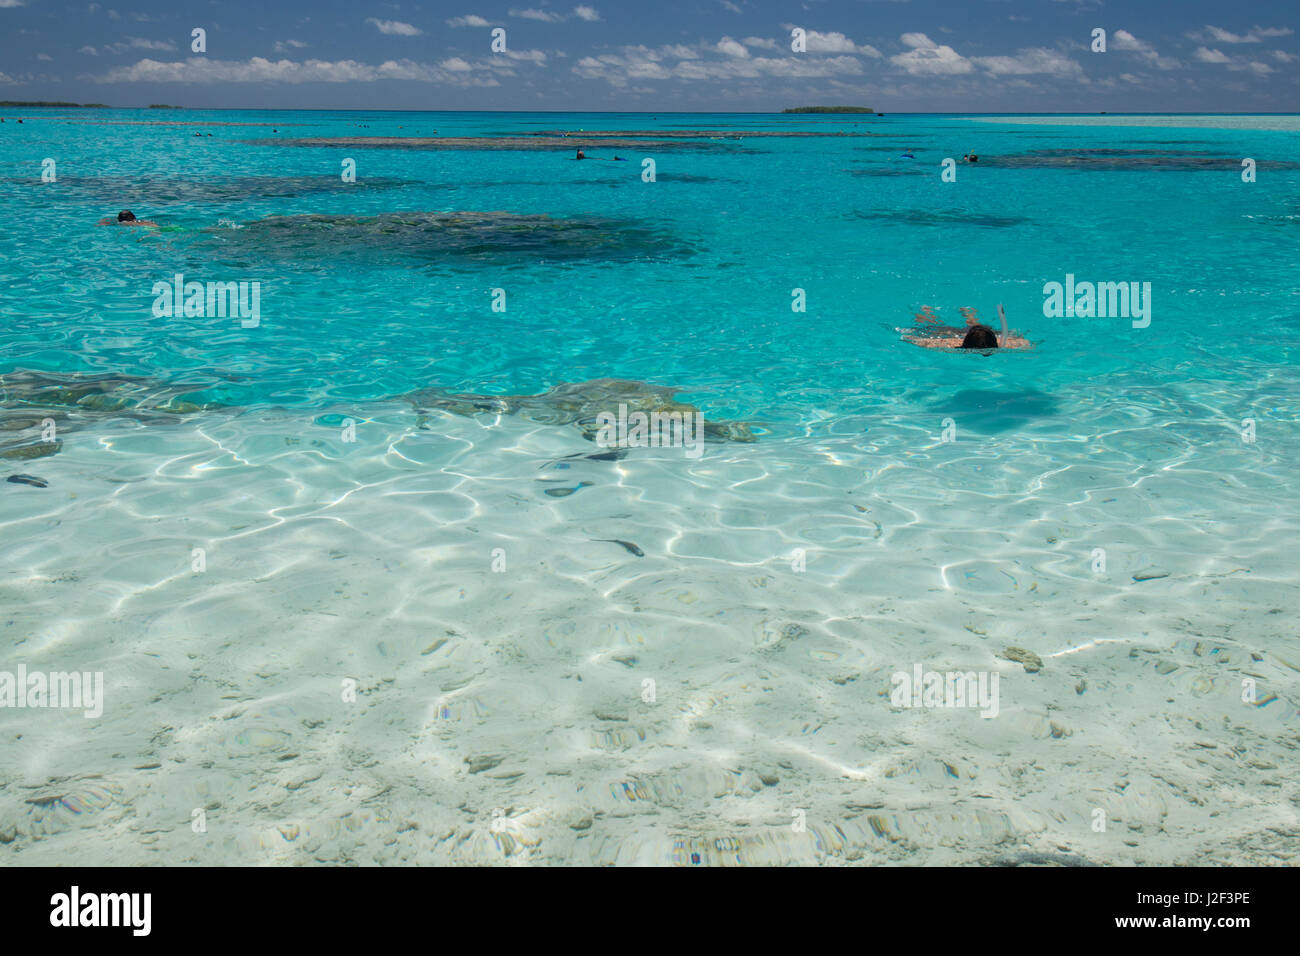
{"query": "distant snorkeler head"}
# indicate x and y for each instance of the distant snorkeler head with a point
(980, 337)
(126, 215)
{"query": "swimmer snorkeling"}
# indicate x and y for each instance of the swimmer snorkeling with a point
(127, 218)
(616, 159)
(976, 335)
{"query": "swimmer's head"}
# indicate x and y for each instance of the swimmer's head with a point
(126, 215)
(980, 337)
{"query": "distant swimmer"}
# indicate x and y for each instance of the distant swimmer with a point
(976, 335)
(126, 218)
(603, 159)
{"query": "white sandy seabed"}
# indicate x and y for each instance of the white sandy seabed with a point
(693, 705)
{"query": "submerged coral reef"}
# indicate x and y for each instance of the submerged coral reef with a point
(31, 401)
(579, 404)
(433, 237)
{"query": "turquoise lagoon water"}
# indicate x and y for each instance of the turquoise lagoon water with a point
(870, 236)
(372, 560)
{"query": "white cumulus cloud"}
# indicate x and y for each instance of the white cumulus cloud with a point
(832, 41)
(1036, 60)
(1123, 40)
(258, 69)
(394, 28)
(1253, 66)
(1253, 35)
(581, 12)
(638, 64)
(925, 57)
(542, 16)
(731, 47)
(138, 43)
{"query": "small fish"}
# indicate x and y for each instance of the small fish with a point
(617, 454)
(28, 480)
(565, 492)
(627, 544)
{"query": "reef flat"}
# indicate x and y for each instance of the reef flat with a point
(1171, 160)
(522, 142)
(694, 133)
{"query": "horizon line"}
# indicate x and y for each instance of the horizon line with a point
(773, 112)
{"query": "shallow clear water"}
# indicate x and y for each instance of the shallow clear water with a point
(372, 560)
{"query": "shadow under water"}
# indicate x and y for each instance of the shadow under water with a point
(988, 411)
(930, 217)
(889, 171)
(692, 178)
(434, 237)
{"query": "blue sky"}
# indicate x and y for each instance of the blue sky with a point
(659, 55)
